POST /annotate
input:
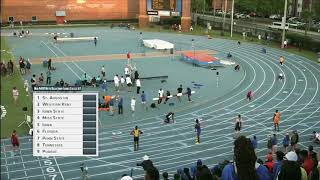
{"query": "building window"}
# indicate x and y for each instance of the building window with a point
(11, 19)
(34, 18)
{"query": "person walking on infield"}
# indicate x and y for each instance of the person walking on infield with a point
(10, 67)
(133, 105)
(120, 105)
(167, 97)
(197, 129)
(179, 94)
(144, 100)
(111, 105)
(286, 142)
(274, 143)
(49, 64)
(15, 142)
(122, 82)
(160, 95)
(138, 84)
(129, 83)
(136, 134)
(276, 120)
(238, 125)
(103, 72)
(116, 82)
(15, 95)
(84, 171)
(95, 41)
(48, 73)
(189, 94)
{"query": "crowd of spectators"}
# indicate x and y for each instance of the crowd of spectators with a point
(296, 164)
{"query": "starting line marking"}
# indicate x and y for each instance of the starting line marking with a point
(300, 80)
(285, 92)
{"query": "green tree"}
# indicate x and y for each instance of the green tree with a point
(307, 17)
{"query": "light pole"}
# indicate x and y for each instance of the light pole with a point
(224, 16)
(232, 11)
(284, 23)
(193, 47)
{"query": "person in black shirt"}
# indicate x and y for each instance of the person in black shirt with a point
(49, 64)
(167, 97)
(10, 67)
(95, 40)
(169, 116)
(61, 83)
(179, 92)
(94, 82)
(33, 81)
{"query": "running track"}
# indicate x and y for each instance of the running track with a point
(172, 146)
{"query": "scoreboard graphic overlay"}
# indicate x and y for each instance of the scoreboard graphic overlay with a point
(65, 124)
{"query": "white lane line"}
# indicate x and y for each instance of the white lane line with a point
(5, 156)
(64, 54)
(64, 62)
(41, 168)
(58, 167)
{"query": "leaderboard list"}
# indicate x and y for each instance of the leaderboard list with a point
(65, 124)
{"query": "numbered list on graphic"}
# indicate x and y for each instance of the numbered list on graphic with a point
(65, 124)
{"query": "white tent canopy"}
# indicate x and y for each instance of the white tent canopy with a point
(158, 44)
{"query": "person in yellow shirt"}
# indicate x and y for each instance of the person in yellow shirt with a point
(136, 132)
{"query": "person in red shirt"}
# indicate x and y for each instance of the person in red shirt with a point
(269, 163)
(306, 160)
(15, 141)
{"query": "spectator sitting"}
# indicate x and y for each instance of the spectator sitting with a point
(254, 142)
(94, 82)
(176, 177)
(217, 169)
(152, 173)
(205, 173)
(277, 165)
(126, 177)
(165, 176)
(315, 174)
(316, 137)
(291, 169)
(187, 174)
(229, 55)
(294, 140)
(61, 82)
(85, 79)
(41, 78)
(245, 165)
(307, 162)
(146, 163)
(57, 84)
(269, 163)
(99, 80)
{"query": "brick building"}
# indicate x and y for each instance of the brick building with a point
(60, 10)
(219, 5)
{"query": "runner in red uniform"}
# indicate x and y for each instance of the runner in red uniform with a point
(15, 141)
